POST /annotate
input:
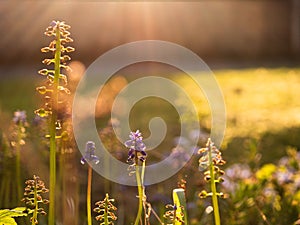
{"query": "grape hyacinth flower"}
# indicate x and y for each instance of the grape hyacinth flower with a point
(137, 153)
(216, 156)
(136, 147)
(210, 160)
(33, 198)
(89, 155)
(173, 215)
(19, 117)
(54, 92)
(106, 209)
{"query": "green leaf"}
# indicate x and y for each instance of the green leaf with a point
(6, 215)
(180, 202)
(7, 221)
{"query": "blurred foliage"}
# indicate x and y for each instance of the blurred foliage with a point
(261, 148)
(267, 195)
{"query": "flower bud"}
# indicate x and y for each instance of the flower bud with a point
(202, 194)
(43, 72)
(69, 49)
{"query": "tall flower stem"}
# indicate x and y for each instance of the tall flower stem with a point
(89, 157)
(137, 154)
(35, 211)
(53, 90)
(18, 160)
(140, 194)
(106, 221)
(214, 189)
(52, 131)
(88, 196)
(33, 198)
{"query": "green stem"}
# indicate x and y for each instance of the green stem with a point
(143, 187)
(140, 193)
(35, 212)
(88, 196)
(106, 221)
(61, 208)
(18, 161)
(214, 190)
(143, 172)
(52, 126)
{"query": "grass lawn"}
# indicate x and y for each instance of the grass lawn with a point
(258, 101)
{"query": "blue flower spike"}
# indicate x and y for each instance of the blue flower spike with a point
(89, 155)
(136, 147)
(19, 117)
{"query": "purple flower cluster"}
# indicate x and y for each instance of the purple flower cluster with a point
(89, 155)
(234, 175)
(19, 117)
(136, 147)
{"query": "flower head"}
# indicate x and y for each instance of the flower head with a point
(136, 146)
(174, 215)
(19, 117)
(89, 155)
(106, 209)
(204, 156)
(33, 197)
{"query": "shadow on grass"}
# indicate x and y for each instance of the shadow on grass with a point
(271, 146)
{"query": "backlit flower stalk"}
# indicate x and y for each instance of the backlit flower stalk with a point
(105, 209)
(53, 92)
(33, 198)
(89, 157)
(137, 155)
(173, 216)
(209, 161)
(19, 133)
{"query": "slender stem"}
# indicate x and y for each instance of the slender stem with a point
(143, 187)
(156, 216)
(52, 126)
(34, 217)
(140, 193)
(18, 160)
(88, 196)
(61, 207)
(214, 190)
(106, 222)
(143, 172)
